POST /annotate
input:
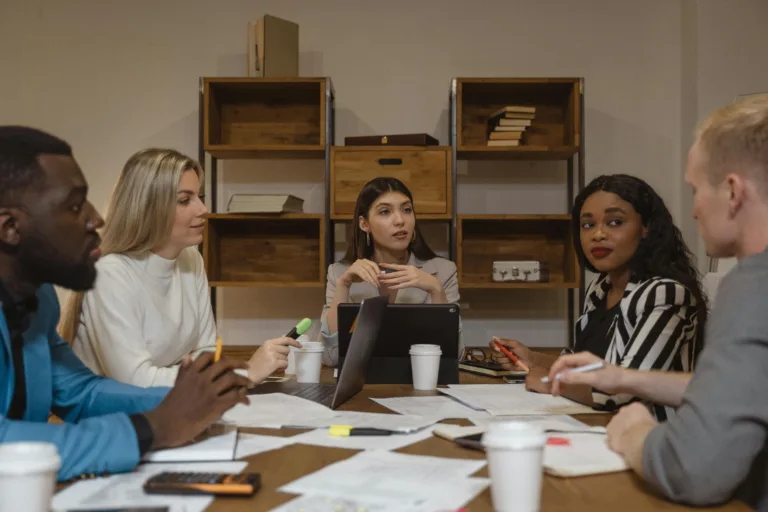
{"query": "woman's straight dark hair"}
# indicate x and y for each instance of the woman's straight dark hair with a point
(661, 253)
(358, 247)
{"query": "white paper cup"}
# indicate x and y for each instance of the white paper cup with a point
(309, 360)
(27, 476)
(425, 365)
(291, 368)
(515, 452)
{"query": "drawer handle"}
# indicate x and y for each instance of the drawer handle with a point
(390, 161)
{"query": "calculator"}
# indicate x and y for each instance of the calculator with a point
(219, 484)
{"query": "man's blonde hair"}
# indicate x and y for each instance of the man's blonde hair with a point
(140, 214)
(735, 139)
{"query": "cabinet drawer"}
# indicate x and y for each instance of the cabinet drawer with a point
(424, 170)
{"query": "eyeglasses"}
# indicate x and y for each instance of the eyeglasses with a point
(478, 354)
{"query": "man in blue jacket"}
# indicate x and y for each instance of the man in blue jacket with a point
(48, 237)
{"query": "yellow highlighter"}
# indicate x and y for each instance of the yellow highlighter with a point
(347, 430)
(217, 355)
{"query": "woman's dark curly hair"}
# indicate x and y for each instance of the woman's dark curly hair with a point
(661, 253)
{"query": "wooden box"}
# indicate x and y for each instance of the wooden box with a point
(264, 117)
(483, 239)
(265, 250)
(555, 130)
(426, 171)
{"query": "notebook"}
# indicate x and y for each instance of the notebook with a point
(569, 455)
(219, 447)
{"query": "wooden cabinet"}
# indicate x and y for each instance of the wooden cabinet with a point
(426, 171)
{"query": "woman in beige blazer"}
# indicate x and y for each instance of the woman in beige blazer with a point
(387, 256)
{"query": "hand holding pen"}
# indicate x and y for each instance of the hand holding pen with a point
(588, 369)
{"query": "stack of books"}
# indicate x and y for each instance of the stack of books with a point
(506, 125)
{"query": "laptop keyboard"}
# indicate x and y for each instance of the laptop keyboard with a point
(320, 393)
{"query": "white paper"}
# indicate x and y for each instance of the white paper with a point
(395, 422)
(513, 400)
(555, 423)
(252, 444)
(215, 448)
(385, 477)
(587, 454)
(447, 496)
(442, 407)
(320, 437)
(126, 490)
(273, 410)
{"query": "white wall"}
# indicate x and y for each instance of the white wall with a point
(113, 77)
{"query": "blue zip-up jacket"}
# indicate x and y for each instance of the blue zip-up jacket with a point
(97, 435)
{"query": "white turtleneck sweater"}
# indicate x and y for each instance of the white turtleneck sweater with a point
(144, 315)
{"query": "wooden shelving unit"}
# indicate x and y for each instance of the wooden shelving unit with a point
(555, 134)
(254, 118)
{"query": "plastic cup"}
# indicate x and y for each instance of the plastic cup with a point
(309, 361)
(27, 476)
(515, 452)
(425, 366)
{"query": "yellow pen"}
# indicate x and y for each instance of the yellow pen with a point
(217, 355)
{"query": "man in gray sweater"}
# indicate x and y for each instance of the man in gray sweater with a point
(714, 448)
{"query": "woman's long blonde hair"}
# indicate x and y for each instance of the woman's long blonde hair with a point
(140, 214)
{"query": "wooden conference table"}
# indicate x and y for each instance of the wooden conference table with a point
(609, 493)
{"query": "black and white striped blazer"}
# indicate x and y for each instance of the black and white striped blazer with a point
(655, 329)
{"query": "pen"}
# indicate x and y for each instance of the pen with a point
(346, 431)
(217, 354)
(511, 356)
(580, 369)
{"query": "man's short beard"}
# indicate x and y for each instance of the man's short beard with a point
(44, 263)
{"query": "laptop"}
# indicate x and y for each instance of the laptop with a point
(405, 325)
(352, 377)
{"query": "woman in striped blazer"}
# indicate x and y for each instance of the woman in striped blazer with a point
(645, 308)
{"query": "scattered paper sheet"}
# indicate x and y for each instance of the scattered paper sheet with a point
(395, 422)
(583, 454)
(442, 407)
(273, 410)
(252, 444)
(383, 477)
(555, 423)
(320, 437)
(125, 490)
(513, 400)
(446, 497)
(215, 448)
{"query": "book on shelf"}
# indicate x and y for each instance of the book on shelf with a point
(265, 203)
(507, 126)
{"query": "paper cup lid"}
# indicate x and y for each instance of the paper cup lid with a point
(23, 458)
(513, 435)
(425, 350)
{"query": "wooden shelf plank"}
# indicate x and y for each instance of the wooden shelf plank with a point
(515, 217)
(267, 284)
(264, 216)
(274, 151)
(517, 285)
(515, 153)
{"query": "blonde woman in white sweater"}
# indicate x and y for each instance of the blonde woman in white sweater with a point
(150, 306)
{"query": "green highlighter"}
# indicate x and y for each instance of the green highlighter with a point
(300, 329)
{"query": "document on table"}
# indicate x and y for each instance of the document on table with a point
(274, 410)
(215, 448)
(397, 422)
(442, 407)
(126, 490)
(554, 423)
(451, 497)
(513, 400)
(383, 477)
(581, 454)
(252, 444)
(320, 437)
